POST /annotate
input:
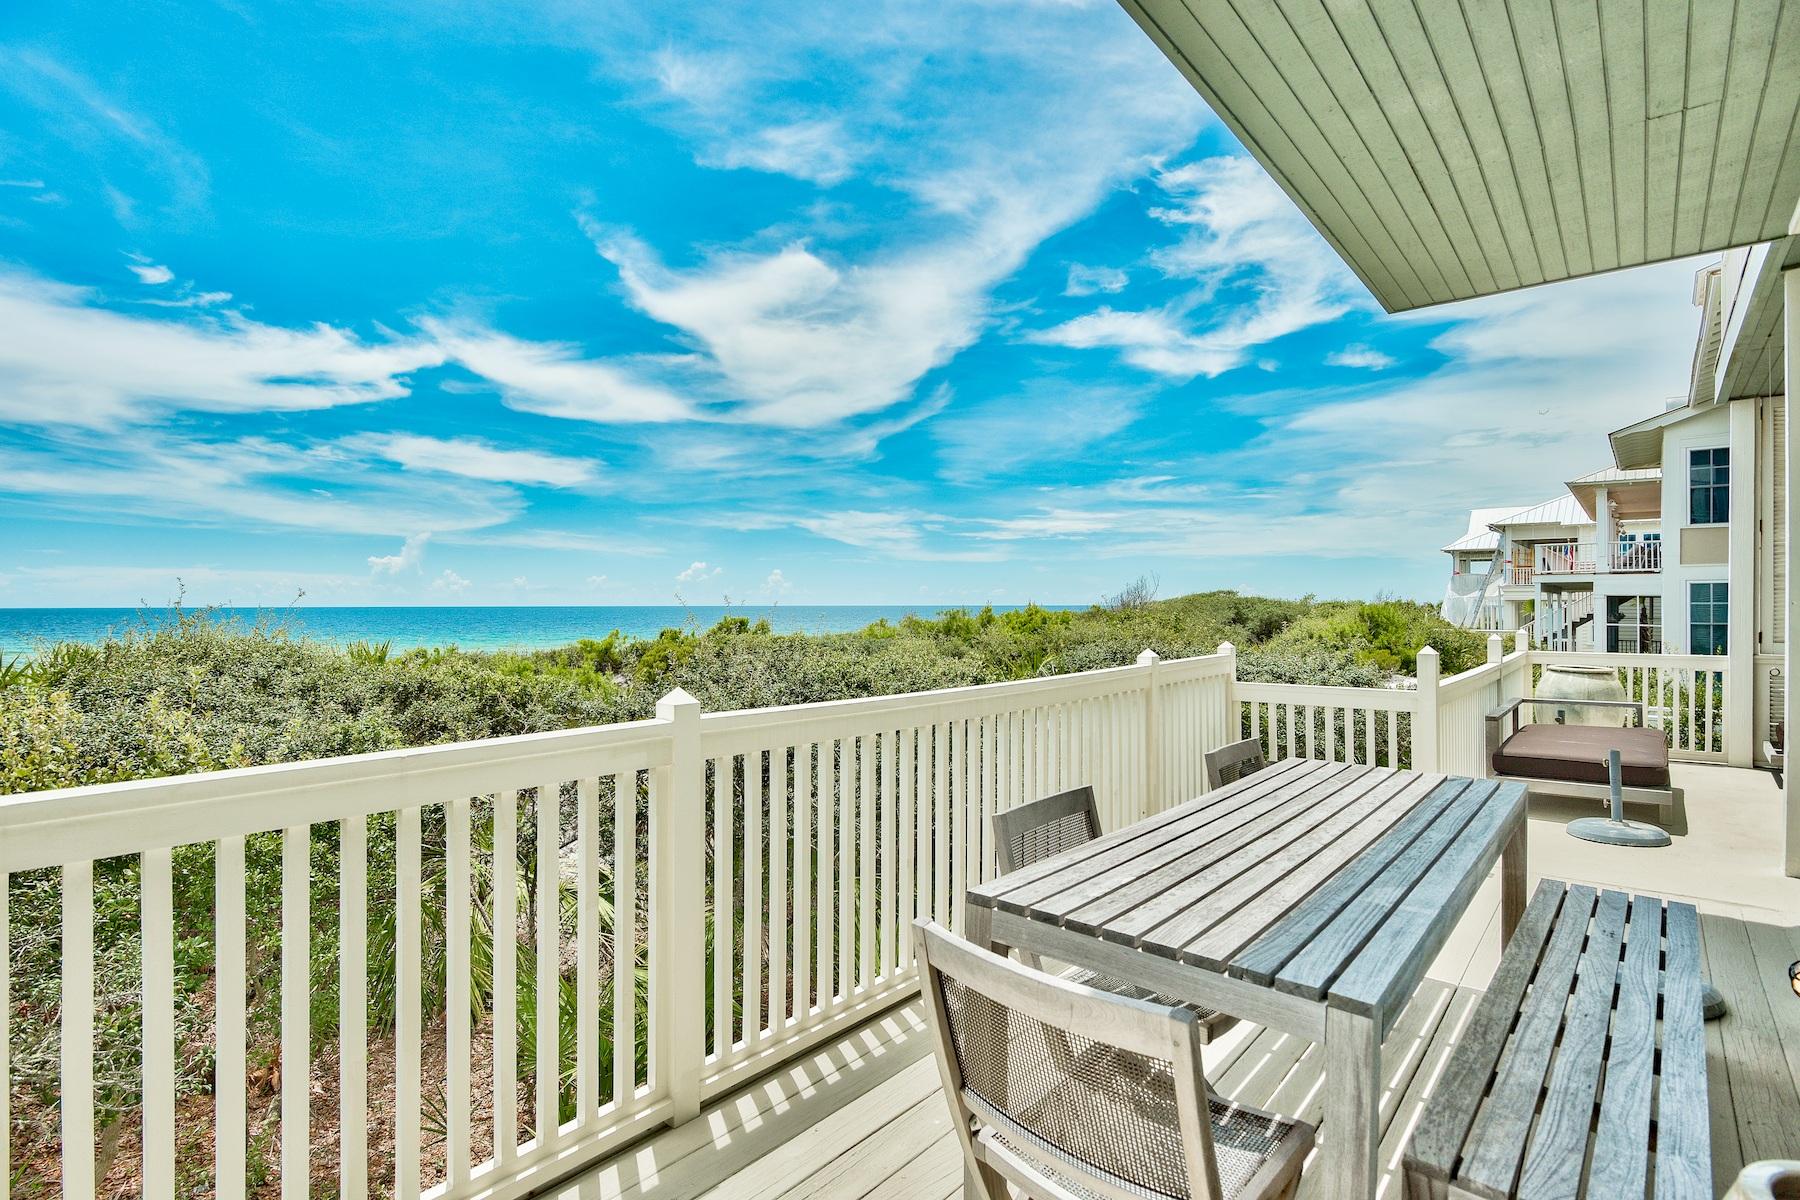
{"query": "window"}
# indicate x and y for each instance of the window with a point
(1708, 614)
(1709, 486)
(1634, 625)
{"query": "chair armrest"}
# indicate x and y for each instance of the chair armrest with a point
(1500, 713)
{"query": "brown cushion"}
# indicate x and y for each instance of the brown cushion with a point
(1577, 754)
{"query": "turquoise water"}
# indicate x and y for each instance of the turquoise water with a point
(473, 628)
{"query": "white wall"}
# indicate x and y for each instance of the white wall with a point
(1706, 428)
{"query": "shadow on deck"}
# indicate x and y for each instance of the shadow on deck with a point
(862, 1119)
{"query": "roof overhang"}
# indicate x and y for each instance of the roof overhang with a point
(1453, 150)
(1750, 360)
(1639, 445)
(1630, 500)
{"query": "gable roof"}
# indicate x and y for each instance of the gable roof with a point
(1481, 534)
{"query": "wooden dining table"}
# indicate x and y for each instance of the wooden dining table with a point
(1308, 897)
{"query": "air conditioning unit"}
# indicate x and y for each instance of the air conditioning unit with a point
(1771, 708)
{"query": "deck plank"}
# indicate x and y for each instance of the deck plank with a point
(1762, 1090)
(863, 1119)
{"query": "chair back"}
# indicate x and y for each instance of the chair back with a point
(1030, 832)
(1228, 764)
(1068, 1084)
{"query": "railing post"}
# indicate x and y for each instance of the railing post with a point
(1152, 736)
(678, 927)
(1496, 648)
(1234, 720)
(1425, 716)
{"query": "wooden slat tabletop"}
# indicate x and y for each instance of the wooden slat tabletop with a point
(1328, 881)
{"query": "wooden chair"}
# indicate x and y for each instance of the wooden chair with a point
(1030, 833)
(1126, 1116)
(1228, 764)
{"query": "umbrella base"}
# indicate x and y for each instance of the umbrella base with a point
(1609, 832)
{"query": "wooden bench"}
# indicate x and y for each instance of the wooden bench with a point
(1570, 760)
(1560, 1078)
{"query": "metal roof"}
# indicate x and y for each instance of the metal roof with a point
(1615, 475)
(1561, 511)
(1456, 150)
(1480, 534)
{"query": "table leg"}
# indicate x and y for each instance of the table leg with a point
(1351, 1154)
(978, 928)
(1515, 881)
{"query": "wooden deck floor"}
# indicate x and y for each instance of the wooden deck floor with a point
(863, 1117)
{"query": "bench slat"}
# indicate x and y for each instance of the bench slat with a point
(1622, 1137)
(1496, 1145)
(1559, 1139)
(1683, 1143)
(1444, 1125)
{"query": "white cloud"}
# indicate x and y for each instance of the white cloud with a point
(1260, 271)
(805, 325)
(450, 582)
(596, 581)
(1387, 471)
(151, 273)
(556, 380)
(411, 555)
(698, 572)
(247, 483)
(777, 583)
(66, 361)
(520, 581)
(1365, 357)
(817, 151)
(475, 459)
(1085, 281)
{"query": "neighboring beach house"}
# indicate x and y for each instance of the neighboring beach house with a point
(1674, 548)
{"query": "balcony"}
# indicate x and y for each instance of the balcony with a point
(863, 1116)
(709, 934)
(1589, 558)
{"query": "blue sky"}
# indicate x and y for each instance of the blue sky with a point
(581, 303)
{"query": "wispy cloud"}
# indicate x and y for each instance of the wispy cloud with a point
(557, 380)
(1363, 357)
(472, 458)
(243, 484)
(68, 361)
(1085, 281)
(150, 273)
(817, 151)
(1260, 273)
(1037, 427)
(698, 572)
(99, 123)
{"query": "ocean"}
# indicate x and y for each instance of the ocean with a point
(520, 627)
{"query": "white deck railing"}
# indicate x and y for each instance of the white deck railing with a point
(709, 895)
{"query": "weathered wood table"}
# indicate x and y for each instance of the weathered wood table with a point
(1309, 897)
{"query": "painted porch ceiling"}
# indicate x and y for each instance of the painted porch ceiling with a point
(1456, 148)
